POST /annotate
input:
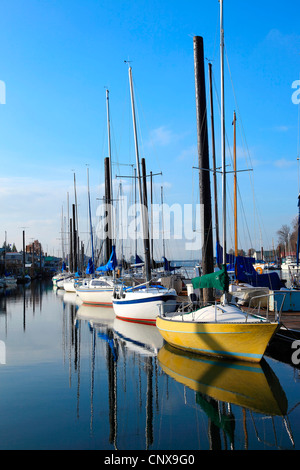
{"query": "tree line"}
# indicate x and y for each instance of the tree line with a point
(9, 248)
(288, 236)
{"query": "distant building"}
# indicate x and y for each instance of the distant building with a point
(51, 263)
(268, 256)
(35, 247)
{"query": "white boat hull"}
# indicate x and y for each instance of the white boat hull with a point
(59, 279)
(98, 291)
(144, 306)
(96, 296)
(290, 267)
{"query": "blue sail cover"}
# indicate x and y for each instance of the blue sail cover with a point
(245, 272)
(138, 260)
(112, 262)
(64, 267)
(90, 267)
(167, 265)
(230, 259)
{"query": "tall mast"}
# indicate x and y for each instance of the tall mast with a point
(108, 234)
(75, 224)
(110, 164)
(90, 216)
(223, 132)
(135, 228)
(204, 167)
(162, 220)
(213, 146)
(235, 186)
(151, 203)
(144, 233)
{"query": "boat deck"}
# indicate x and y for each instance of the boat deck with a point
(289, 319)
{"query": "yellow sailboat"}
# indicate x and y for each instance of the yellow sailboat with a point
(234, 335)
(221, 329)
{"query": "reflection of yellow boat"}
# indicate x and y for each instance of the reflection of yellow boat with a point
(252, 386)
(218, 331)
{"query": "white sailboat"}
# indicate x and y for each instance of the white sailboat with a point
(290, 265)
(142, 303)
(59, 279)
(97, 291)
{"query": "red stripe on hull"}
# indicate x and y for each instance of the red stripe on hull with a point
(136, 320)
(95, 304)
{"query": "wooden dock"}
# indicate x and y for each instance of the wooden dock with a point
(291, 320)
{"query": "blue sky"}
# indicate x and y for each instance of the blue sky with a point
(57, 57)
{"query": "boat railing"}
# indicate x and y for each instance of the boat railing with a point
(186, 307)
(258, 311)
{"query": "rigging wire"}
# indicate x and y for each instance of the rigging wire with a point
(298, 148)
(241, 205)
(257, 215)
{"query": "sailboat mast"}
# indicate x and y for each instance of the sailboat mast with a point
(90, 216)
(110, 165)
(204, 167)
(213, 146)
(135, 228)
(235, 186)
(223, 131)
(76, 228)
(162, 220)
(147, 267)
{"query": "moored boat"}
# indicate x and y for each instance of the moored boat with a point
(97, 291)
(143, 304)
(220, 331)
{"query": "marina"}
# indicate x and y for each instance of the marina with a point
(150, 307)
(76, 377)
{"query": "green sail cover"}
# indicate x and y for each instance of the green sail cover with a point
(218, 280)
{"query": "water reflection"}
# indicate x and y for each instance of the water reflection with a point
(220, 384)
(29, 295)
(129, 390)
(125, 343)
(251, 386)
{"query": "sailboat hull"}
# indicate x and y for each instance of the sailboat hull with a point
(96, 296)
(145, 306)
(239, 341)
(98, 291)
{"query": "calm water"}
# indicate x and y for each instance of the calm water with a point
(74, 377)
